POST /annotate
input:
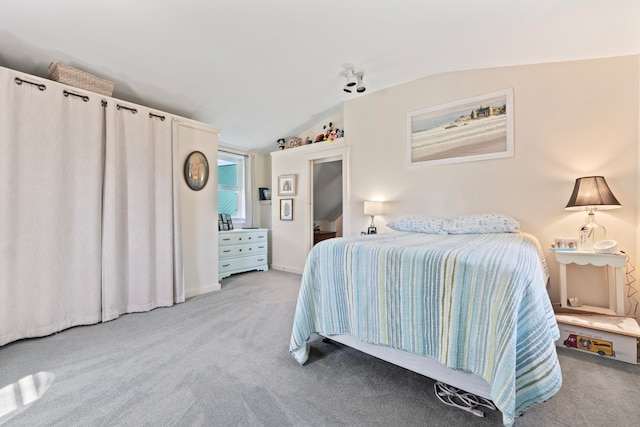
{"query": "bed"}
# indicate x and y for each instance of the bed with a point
(467, 309)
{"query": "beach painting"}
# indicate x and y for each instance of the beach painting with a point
(478, 128)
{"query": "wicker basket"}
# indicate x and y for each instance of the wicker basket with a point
(77, 78)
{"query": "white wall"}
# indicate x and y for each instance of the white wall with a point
(291, 240)
(262, 208)
(571, 119)
(261, 178)
(198, 210)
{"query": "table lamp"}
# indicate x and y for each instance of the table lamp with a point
(373, 209)
(591, 193)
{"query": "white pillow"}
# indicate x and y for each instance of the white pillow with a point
(418, 224)
(481, 224)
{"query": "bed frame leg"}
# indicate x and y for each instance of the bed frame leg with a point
(461, 399)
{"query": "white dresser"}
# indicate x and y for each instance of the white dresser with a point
(242, 250)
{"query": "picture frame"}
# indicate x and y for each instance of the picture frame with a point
(225, 222)
(286, 209)
(196, 170)
(262, 193)
(472, 129)
(226, 218)
(287, 185)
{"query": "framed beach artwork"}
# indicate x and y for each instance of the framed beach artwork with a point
(287, 185)
(472, 129)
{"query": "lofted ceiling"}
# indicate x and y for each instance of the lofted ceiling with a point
(262, 70)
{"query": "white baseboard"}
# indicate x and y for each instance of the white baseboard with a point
(286, 268)
(203, 290)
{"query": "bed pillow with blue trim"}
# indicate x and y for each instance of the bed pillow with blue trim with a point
(481, 224)
(418, 224)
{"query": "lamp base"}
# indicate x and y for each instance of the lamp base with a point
(590, 233)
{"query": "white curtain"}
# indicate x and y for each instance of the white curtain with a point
(51, 171)
(138, 220)
(178, 177)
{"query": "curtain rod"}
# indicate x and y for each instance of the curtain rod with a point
(133, 110)
(66, 93)
(85, 98)
(237, 153)
(19, 81)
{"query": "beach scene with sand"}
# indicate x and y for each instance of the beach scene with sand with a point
(470, 129)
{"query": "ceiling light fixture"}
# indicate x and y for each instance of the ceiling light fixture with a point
(354, 77)
(360, 87)
(351, 80)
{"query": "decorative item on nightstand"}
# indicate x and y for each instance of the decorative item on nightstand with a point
(591, 193)
(373, 209)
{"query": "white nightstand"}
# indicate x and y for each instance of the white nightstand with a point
(616, 262)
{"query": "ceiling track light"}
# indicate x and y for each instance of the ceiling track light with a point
(354, 77)
(360, 87)
(351, 78)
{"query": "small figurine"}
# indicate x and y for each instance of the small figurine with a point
(320, 137)
(281, 144)
(308, 141)
(340, 133)
(329, 132)
(295, 142)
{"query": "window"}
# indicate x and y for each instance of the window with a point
(231, 185)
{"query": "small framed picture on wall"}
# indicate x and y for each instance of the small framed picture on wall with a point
(286, 209)
(287, 185)
(196, 170)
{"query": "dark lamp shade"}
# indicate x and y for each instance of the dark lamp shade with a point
(592, 192)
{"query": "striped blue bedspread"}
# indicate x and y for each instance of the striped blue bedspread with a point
(474, 302)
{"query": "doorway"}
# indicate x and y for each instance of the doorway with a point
(328, 197)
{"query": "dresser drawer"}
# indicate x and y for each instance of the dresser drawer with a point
(242, 250)
(239, 238)
(231, 251)
(242, 264)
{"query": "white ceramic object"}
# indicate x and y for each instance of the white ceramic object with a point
(606, 247)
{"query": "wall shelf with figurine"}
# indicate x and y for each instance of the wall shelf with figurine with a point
(329, 134)
(315, 144)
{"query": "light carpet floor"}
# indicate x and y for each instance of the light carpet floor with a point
(222, 359)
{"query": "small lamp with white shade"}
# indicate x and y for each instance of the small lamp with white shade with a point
(373, 209)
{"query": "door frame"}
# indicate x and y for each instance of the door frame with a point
(340, 154)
